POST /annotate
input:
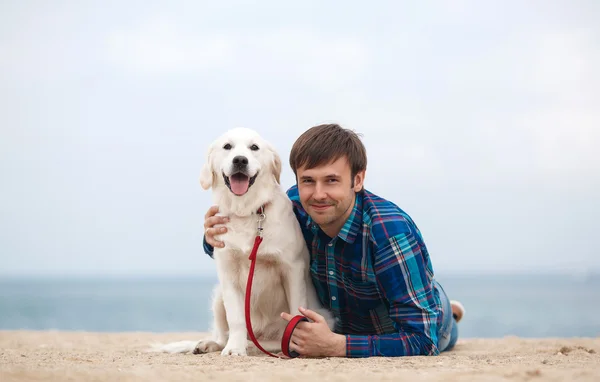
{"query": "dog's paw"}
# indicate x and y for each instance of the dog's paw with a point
(233, 350)
(204, 347)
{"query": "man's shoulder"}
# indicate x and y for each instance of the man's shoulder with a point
(292, 193)
(385, 218)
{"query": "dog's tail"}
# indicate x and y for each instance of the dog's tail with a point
(173, 347)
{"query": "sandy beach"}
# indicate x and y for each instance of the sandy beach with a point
(85, 356)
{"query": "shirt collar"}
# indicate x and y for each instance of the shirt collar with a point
(352, 226)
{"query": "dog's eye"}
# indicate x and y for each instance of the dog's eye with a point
(227, 146)
(254, 147)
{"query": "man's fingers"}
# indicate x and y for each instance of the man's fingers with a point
(303, 325)
(211, 212)
(210, 230)
(214, 243)
(316, 317)
(300, 335)
(286, 316)
(214, 220)
(296, 343)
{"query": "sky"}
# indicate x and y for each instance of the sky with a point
(481, 120)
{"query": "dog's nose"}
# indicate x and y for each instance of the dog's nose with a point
(240, 160)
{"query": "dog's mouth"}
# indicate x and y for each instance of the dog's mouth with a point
(239, 183)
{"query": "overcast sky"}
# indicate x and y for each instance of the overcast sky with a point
(481, 120)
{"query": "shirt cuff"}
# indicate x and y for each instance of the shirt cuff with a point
(208, 249)
(358, 346)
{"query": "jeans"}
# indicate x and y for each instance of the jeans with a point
(448, 333)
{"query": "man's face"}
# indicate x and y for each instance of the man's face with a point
(327, 193)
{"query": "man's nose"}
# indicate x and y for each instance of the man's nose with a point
(319, 193)
(240, 160)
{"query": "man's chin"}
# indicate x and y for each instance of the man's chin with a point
(322, 219)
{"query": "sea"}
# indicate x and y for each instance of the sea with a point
(531, 306)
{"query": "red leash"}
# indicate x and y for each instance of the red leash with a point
(289, 329)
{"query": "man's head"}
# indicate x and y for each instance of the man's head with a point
(330, 164)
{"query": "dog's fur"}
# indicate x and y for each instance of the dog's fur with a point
(282, 281)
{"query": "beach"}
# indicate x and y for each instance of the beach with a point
(91, 356)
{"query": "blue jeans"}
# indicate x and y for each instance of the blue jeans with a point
(448, 333)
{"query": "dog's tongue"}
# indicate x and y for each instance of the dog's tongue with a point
(239, 183)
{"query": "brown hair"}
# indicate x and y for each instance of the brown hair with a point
(324, 144)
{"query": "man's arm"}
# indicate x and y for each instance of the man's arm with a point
(403, 279)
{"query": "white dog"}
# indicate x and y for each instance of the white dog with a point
(243, 171)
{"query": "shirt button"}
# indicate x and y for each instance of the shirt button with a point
(330, 244)
(333, 298)
(331, 273)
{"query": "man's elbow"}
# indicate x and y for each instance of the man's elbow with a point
(423, 345)
(427, 345)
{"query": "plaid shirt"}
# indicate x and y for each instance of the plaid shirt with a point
(377, 279)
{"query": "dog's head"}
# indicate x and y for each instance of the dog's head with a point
(239, 160)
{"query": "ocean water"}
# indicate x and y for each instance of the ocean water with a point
(497, 306)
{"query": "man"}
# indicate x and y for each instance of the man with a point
(369, 263)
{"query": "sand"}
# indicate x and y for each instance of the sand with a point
(84, 356)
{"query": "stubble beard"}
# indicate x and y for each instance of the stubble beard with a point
(336, 215)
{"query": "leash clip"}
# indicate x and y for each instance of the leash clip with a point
(261, 218)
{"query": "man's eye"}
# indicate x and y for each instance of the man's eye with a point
(227, 146)
(254, 147)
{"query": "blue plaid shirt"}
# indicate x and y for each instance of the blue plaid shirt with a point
(376, 278)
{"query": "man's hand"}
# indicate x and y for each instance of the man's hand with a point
(315, 339)
(210, 221)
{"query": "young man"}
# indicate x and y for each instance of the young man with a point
(369, 263)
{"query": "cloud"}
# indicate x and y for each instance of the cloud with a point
(159, 46)
(565, 131)
(321, 60)
(566, 61)
(565, 141)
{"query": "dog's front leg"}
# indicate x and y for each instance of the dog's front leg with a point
(295, 286)
(234, 309)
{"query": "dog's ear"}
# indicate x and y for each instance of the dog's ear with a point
(276, 166)
(207, 175)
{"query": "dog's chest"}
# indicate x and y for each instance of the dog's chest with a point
(236, 266)
(239, 242)
(242, 232)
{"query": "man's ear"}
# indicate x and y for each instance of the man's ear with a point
(207, 175)
(359, 181)
(276, 166)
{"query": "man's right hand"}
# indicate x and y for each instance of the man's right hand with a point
(214, 225)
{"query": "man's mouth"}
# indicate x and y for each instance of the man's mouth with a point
(239, 183)
(320, 207)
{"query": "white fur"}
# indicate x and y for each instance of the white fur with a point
(281, 281)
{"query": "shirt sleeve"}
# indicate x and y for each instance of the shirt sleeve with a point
(208, 249)
(403, 278)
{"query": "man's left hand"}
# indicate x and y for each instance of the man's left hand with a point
(315, 339)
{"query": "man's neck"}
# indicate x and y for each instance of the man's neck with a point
(331, 230)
